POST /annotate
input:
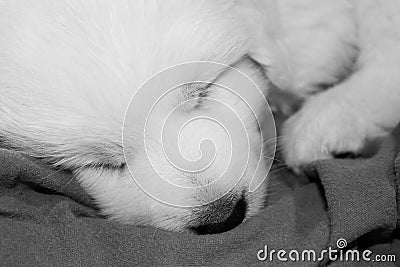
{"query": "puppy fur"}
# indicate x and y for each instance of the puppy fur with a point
(68, 69)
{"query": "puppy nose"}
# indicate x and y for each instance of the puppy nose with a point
(221, 216)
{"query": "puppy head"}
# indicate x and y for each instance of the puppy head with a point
(193, 142)
(192, 159)
(195, 154)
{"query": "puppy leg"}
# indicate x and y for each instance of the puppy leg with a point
(365, 106)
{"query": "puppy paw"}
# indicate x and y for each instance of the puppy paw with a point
(325, 126)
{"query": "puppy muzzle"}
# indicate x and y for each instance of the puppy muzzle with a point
(220, 216)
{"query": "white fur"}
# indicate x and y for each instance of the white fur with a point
(68, 69)
(362, 107)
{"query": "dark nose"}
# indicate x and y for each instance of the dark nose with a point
(219, 218)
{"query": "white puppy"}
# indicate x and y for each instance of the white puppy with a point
(69, 68)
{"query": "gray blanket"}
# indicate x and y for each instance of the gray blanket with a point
(47, 220)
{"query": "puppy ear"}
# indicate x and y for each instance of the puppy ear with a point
(263, 21)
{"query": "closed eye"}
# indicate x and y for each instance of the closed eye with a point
(201, 91)
(193, 95)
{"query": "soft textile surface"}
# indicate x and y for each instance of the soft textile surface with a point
(47, 220)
